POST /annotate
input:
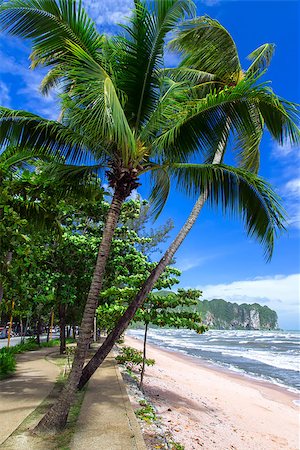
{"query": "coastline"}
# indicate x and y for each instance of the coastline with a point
(207, 406)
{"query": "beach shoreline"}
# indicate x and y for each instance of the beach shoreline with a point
(207, 406)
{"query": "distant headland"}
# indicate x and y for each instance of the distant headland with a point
(220, 314)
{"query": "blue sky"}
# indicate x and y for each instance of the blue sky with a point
(217, 256)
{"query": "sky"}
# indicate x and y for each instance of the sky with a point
(217, 256)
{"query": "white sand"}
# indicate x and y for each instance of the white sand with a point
(206, 407)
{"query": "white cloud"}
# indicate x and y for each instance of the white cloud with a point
(291, 194)
(32, 98)
(185, 264)
(284, 151)
(4, 95)
(279, 292)
(292, 187)
(108, 12)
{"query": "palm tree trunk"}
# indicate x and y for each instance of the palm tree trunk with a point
(124, 321)
(144, 356)
(56, 417)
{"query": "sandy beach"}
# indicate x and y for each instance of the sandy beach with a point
(206, 407)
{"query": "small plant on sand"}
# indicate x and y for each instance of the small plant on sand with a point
(132, 359)
(146, 413)
(176, 446)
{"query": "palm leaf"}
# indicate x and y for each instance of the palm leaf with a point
(96, 108)
(48, 24)
(261, 59)
(40, 136)
(195, 125)
(141, 52)
(240, 193)
(207, 46)
(160, 181)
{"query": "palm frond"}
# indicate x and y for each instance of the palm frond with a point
(261, 59)
(160, 181)
(281, 117)
(96, 105)
(39, 136)
(207, 46)
(194, 125)
(240, 193)
(12, 159)
(79, 180)
(141, 52)
(185, 74)
(48, 24)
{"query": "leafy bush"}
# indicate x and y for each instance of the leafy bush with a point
(7, 363)
(146, 413)
(133, 358)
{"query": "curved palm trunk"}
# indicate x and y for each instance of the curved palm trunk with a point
(124, 321)
(144, 355)
(56, 417)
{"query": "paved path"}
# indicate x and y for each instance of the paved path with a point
(107, 420)
(22, 393)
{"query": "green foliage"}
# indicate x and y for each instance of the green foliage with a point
(133, 359)
(176, 445)
(146, 413)
(7, 363)
(174, 310)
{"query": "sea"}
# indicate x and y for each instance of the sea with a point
(272, 356)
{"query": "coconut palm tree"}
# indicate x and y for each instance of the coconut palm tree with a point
(121, 113)
(211, 64)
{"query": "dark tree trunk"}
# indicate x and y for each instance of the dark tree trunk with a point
(21, 327)
(25, 329)
(147, 287)
(62, 328)
(38, 331)
(144, 356)
(48, 328)
(56, 417)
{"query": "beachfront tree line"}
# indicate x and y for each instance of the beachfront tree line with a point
(124, 115)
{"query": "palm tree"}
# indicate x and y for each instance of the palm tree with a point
(211, 64)
(120, 112)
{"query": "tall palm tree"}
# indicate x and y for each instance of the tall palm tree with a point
(211, 64)
(121, 113)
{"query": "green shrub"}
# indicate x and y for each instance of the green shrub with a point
(146, 413)
(7, 363)
(133, 358)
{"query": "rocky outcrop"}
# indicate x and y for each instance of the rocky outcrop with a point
(222, 315)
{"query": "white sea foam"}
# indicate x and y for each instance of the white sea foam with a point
(236, 349)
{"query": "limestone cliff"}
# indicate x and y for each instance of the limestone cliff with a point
(220, 314)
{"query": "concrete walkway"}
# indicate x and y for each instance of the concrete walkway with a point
(107, 420)
(22, 393)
